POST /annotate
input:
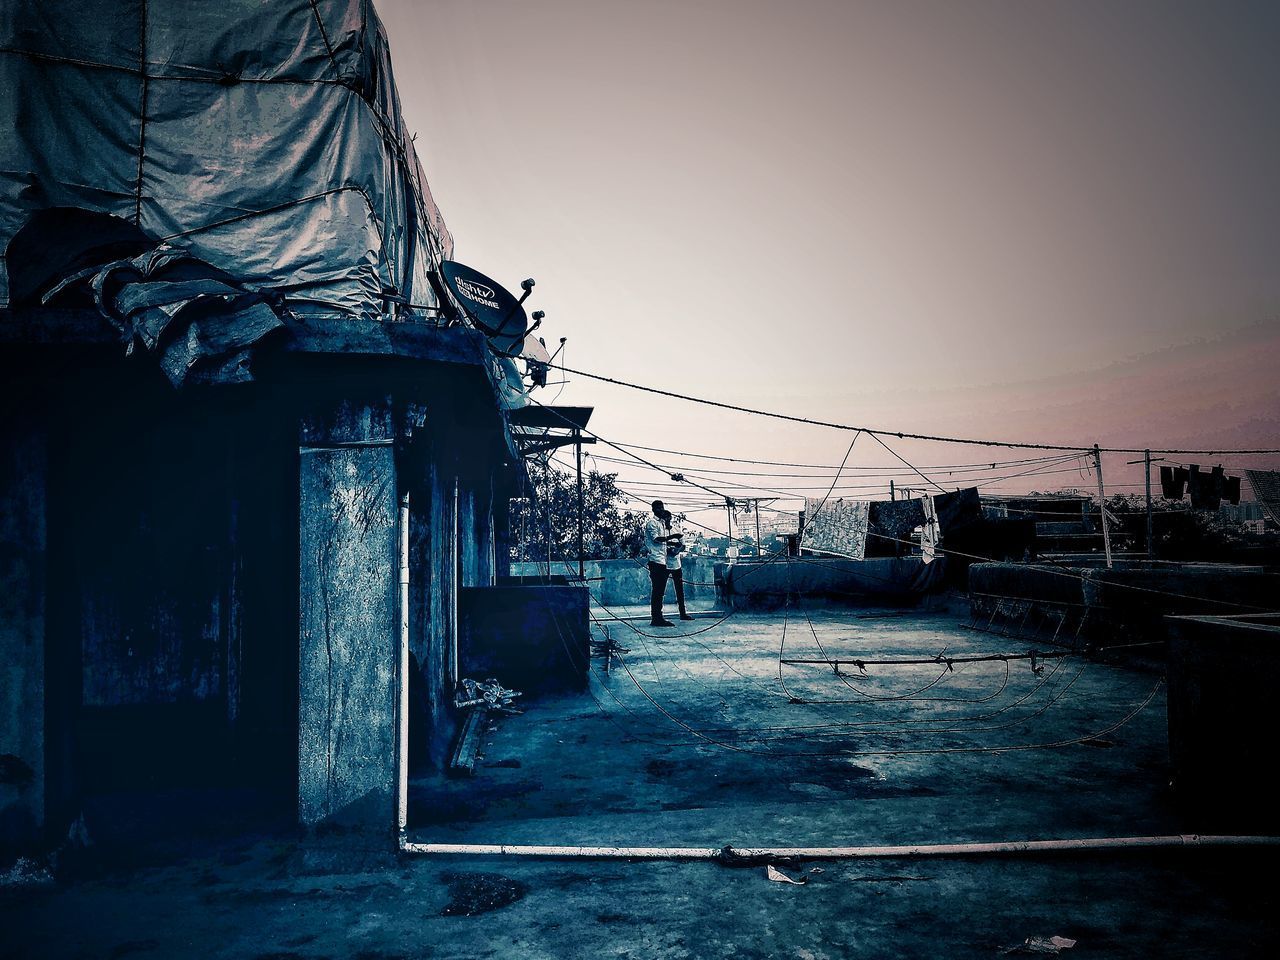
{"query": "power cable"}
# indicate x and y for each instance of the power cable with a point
(904, 435)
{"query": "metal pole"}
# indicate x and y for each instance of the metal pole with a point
(546, 505)
(526, 509)
(755, 505)
(892, 494)
(1102, 505)
(1150, 539)
(577, 443)
(402, 678)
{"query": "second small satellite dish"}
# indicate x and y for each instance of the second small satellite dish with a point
(490, 307)
(535, 350)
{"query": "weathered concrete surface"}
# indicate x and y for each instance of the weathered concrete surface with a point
(1128, 605)
(1086, 603)
(616, 583)
(475, 528)
(23, 477)
(433, 590)
(469, 554)
(636, 776)
(265, 901)
(348, 629)
(723, 754)
(892, 580)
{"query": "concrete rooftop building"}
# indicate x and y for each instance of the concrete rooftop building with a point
(250, 447)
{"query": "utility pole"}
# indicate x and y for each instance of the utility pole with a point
(892, 494)
(755, 505)
(546, 480)
(1102, 505)
(1146, 461)
(1147, 457)
(728, 509)
(577, 444)
(524, 521)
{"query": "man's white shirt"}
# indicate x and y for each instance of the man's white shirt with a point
(655, 531)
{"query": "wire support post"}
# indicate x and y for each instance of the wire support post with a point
(1102, 504)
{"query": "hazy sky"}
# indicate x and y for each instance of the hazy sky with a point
(1035, 221)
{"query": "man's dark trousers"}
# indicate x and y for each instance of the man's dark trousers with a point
(658, 576)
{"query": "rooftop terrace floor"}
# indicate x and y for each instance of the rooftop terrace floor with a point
(699, 736)
(730, 759)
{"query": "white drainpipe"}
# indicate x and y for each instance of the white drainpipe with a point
(402, 681)
(841, 853)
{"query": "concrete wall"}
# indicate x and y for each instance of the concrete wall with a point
(225, 566)
(889, 580)
(475, 528)
(144, 571)
(22, 626)
(626, 582)
(153, 571)
(433, 586)
(348, 610)
(1093, 605)
(1221, 719)
(1128, 605)
(452, 545)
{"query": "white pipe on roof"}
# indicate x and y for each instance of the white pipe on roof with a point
(840, 853)
(402, 679)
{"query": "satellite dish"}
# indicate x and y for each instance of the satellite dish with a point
(535, 350)
(489, 306)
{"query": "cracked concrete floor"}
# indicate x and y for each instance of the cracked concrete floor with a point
(700, 739)
(639, 776)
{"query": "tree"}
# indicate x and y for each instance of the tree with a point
(550, 516)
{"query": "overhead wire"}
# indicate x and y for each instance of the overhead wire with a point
(906, 435)
(864, 469)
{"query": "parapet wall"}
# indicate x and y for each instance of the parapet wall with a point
(1078, 606)
(880, 580)
(625, 582)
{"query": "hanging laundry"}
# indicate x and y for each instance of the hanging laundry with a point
(1171, 484)
(957, 510)
(1196, 487)
(1232, 491)
(929, 530)
(836, 526)
(1205, 489)
(891, 524)
(1219, 481)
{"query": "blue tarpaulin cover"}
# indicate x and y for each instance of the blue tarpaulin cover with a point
(264, 139)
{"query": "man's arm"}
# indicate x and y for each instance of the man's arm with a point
(658, 535)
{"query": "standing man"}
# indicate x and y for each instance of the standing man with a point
(675, 547)
(656, 537)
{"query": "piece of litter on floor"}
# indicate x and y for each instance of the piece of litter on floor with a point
(1042, 945)
(26, 873)
(816, 870)
(777, 876)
